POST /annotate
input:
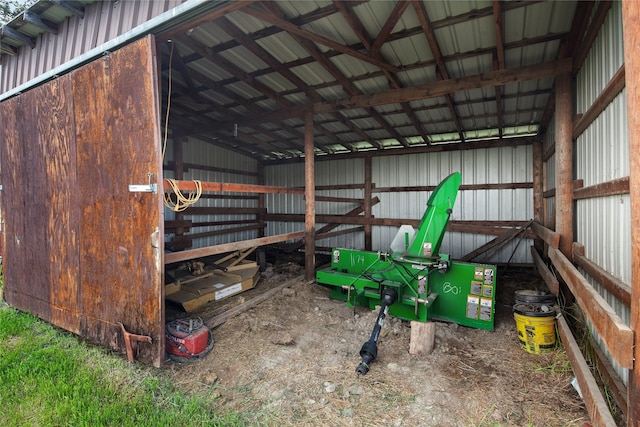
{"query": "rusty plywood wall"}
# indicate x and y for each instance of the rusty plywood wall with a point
(80, 248)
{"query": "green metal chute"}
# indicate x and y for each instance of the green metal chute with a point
(428, 238)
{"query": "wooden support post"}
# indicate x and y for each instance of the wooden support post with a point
(367, 202)
(564, 164)
(423, 337)
(631, 38)
(178, 173)
(310, 203)
(261, 201)
(538, 200)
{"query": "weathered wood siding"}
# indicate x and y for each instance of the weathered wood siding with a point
(81, 250)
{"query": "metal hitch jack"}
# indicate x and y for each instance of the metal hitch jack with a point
(369, 349)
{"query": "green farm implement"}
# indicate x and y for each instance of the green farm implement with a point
(414, 281)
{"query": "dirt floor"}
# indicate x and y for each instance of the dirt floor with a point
(291, 361)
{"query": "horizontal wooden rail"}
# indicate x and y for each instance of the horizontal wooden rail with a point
(550, 237)
(617, 336)
(186, 166)
(219, 223)
(608, 94)
(229, 247)
(338, 199)
(232, 187)
(594, 401)
(203, 210)
(545, 273)
(612, 284)
(338, 233)
(490, 228)
(507, 186)
(609, 188)
(193, 236)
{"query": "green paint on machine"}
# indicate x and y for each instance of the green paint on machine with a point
(429, 285)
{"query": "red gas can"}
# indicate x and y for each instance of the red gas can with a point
(187, 337)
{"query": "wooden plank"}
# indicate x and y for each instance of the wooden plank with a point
(368, 205)
(466, 187)
(631, 43)
(603, 189)
(584, 47)
(177, 226)
(610, 379)
(310, 202)
(427, 91)
(496, 243)
(550, 237)
(564, 163)
(118, 143)
(545, 273)
(596, 405)
(202, 210)
(192, 236)
(232, 187)
(612, 284)
(616, 335)
(64, 214)
(608, 94)
(223, 317)
(186, 166)
(13, 138)
(338, 199)
(538, 201)
(339, 233)
(170, 258)
(352, 213)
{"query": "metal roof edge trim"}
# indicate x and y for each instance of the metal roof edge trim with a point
(177, 15)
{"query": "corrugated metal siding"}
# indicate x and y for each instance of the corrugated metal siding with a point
(486, 166)
(550, 175)
(103, 21)
(602, 154)
(348, 171)
(202, 153)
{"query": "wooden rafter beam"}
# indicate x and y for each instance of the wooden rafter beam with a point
(9, 32)
(66, 5)
(43, 24)
(360, 31)
(184, 71)
(8, 49)
(578, 28)
(500, 62)
(591, 34)
(301, 86)
(441, 67)
(215, 14)
(269, 18)
(348, 86)
(418, 65)
(428, 91)
(608, 94)
(386, 29)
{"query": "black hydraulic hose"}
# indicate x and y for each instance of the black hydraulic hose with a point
(369, 350)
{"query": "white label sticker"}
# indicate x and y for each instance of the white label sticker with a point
(234, 289)
(485, 302)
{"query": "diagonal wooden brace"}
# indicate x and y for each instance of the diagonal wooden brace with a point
(130, 342)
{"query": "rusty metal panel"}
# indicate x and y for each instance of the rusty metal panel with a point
(82, 251)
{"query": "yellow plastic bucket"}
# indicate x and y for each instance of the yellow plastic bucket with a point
(536, 328)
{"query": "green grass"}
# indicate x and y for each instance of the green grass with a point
(50, 378)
